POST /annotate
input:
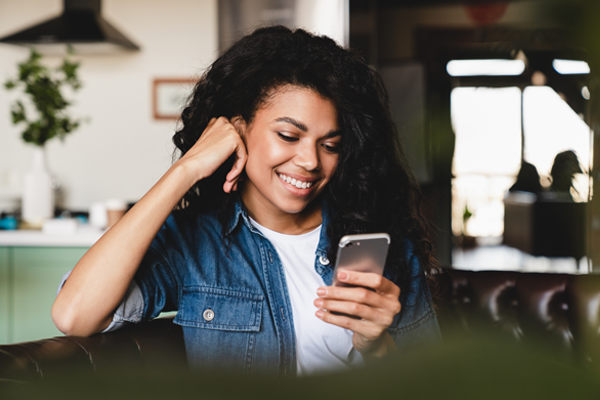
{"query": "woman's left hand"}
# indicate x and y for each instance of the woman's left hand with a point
(376, 310)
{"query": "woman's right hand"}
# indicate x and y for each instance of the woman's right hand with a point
(217, 143)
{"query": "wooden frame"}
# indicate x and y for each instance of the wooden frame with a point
(169, 96)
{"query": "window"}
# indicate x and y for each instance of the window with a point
(492, 132)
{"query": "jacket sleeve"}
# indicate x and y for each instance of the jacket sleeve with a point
(130, 309)
(416, 325)
(154, 288)
(158, 285)
(157, 276)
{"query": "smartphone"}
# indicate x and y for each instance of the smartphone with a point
(362, 253)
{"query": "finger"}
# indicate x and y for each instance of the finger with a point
(218, 125)
(370, 280)
(230, 186)
(232, 178)
(355, 294)
(362, 327)
(236, 169)
(222, 121)
(389, 304)
(211, 123)
(374, 315)
(240, 162)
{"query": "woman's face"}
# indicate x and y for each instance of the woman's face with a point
(292, 145)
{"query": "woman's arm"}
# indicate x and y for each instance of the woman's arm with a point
(100, 279)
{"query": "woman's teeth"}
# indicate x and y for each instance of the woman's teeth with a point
(293, 182)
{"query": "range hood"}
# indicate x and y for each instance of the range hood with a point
(80, 26)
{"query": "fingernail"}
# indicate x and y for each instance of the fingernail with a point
(342, 276)
(319, 314)
(321, 291)
(318, 303)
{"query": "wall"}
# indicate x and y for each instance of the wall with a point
(122, 151)
(388, 31)
(399, 24)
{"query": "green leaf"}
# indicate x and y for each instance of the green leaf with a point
(18, 113)
(42, 86)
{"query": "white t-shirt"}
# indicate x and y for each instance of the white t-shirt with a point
(319, 346)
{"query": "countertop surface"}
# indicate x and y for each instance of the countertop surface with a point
(84, 236)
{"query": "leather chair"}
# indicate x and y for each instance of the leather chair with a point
(559, 310)
(149, 346)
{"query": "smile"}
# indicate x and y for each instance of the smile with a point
(294, 182)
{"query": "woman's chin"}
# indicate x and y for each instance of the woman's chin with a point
(292, 210)
(306, 206)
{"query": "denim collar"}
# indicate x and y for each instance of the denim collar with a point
(323, 245)
(240, 213)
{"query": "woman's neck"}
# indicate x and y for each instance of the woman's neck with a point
(279, 221)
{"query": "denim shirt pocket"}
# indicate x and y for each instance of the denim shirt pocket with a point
(220, 325)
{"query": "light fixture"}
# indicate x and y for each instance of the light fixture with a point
(585, 93)
(571, 67)
(491, 67)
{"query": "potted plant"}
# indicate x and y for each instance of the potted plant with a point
(44, 117)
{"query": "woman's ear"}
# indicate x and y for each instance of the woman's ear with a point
(240, 125)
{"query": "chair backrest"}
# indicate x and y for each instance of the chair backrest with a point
(151, 345)
(559, 310)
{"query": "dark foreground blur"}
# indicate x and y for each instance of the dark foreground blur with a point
(459, 369)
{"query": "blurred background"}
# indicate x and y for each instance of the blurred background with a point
(493, 102)
(123, 150)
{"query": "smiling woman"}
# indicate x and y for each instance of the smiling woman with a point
(292, 155)
(286, 146)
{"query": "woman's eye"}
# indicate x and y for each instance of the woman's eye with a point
(332, 148)
(287, 138)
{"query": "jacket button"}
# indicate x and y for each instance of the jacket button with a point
(324, 260)
(208, 315)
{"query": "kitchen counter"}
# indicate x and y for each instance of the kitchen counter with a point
(85, 236)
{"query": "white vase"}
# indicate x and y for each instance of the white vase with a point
(38, 195)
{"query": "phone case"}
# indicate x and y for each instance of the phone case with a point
(363, 253)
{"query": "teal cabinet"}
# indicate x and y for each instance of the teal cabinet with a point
(32, 278)
(4, 294)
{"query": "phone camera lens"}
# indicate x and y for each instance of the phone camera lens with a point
(349, 244)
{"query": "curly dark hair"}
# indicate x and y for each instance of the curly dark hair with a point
(372, 188)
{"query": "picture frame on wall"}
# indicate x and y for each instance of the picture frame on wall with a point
(169, 96)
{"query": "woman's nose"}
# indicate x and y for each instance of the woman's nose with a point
(307, 157)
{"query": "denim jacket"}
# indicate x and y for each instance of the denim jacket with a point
(232, 299)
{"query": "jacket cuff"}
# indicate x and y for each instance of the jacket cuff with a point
(129, 311)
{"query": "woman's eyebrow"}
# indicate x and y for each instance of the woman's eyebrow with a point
(303, 127)
(292, 121)
(334, 133)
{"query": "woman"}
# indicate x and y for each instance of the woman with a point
(286, 146)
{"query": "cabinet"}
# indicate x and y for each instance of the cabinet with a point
(4, 294)
(29, 278)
